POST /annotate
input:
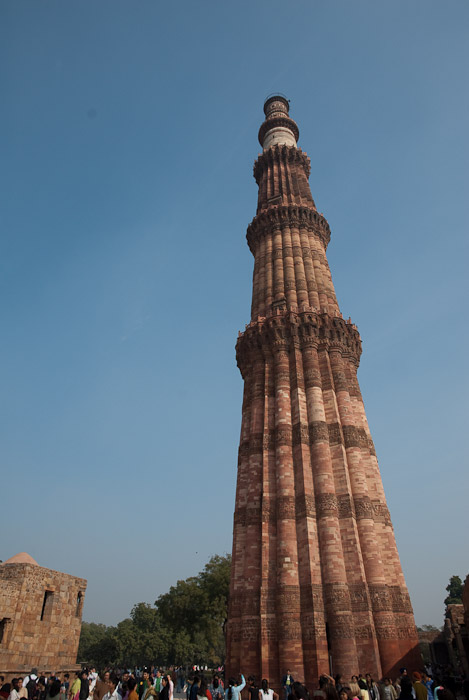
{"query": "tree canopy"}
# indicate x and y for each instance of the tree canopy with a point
(454, 589)
(184, 625)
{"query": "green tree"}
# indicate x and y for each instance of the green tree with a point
(454, 589)
(186, 624)
(195, 610)
(91, 635)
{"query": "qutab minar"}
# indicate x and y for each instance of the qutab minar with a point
(316, 582)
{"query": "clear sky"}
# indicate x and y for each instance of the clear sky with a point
(129, 131)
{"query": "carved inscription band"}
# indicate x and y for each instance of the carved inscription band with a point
(306, 505)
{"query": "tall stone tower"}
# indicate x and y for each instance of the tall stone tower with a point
(316, 581)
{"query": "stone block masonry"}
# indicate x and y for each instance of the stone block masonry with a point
(40, 617)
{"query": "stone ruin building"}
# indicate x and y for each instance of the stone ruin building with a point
(316, 580)
(40, 617)
(450, 648)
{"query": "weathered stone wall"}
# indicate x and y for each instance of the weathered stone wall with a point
(40, 618)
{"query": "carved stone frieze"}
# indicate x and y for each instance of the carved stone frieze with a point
(305, 506)
(300, 434)
(287, 215)
(288, 330)
(289, 628)
(363, 508)
(341, 629)
(269, 511)
(269, 440)
(400, 600)
(250, 630)
(345, 506)
(363, 632)
(359, 598)
(380, 598)
(337, 597)
(355, 436)
(335, 434)
(286, 508)
(269, 629)
(267, 602)
(288, 599)
(318, 432)
(283, 436)
(312, 378)
(326, 505)
(381, 512)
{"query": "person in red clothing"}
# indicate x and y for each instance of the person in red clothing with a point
(421, 692)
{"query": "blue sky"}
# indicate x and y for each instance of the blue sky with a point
(129, 131)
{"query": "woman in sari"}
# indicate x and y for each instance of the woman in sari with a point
(75, 689)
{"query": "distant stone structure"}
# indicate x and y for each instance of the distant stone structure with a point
(451, 647)
(40, 617)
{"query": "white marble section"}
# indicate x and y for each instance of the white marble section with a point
(278, 135)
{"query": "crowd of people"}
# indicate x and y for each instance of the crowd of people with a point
(154, 684)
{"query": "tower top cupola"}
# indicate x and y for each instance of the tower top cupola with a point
(278, 127)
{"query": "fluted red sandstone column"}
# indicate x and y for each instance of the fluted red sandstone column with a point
(316, 582)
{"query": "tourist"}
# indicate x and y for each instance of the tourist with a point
(157, 683)
(23, 693)
(354, 688)
(299, 692)
(326, 688)
(164, 692)
(194, 688)
(203, 692)
(84, 687)
(444, 693)
(363, 685)
(32, 676)
(253, 688)
(92, 678)
(233, 691)
(64, 688)
(372, 687)
(181, 679)
(30, 683)
(407, 691)
(427, 681)
(123, 685)
(287, 682)
(217, 689)
(14, 694)
(131, 685)
(266, 693)
(75, 689)
(419, 688)
(170, 686)
(144, 684)
(101, 687)
(5, 691)
(112, 684)
(388, 691)
(53, 691)
(339, 682)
